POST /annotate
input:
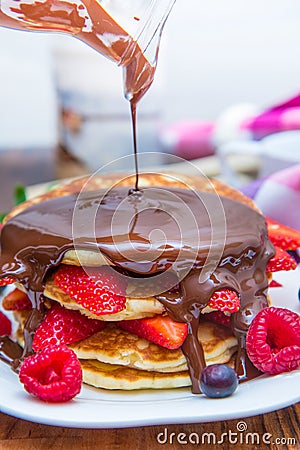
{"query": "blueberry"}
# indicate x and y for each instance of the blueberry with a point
(218, 381)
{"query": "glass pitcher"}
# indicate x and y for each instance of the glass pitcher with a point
(125, 31)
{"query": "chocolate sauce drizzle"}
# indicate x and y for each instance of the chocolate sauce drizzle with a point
(121, 231)
(135, 152)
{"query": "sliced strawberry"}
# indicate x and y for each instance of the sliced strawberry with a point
(225, 301)
(99, 290)
(16, 300)
(64, 326)
(7, 280)
(5, 325)
(281, 261)
(283, 236)
(218, 317)
(275, 283)
(161, 330)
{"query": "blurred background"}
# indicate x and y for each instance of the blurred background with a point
(62, 110)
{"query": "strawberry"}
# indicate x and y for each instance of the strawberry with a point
(161, 330)
(64, 326)
(218, 317)
(273, 340)
(283, 236)
(281, 261)
(5, 325)
(53, 375)
(225, 301)
(7, 280)
(274, 284)
(16, 300)
(99, 290)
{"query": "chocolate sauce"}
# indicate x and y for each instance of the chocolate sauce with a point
(134, 135)
(121, 231)
(243, 366)
(10, 351)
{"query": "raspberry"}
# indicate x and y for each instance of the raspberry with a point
(64, 326)
(16, 300)
(5, 325)
(101, 290)
(273, 340)
(53, 375)
(225, 300)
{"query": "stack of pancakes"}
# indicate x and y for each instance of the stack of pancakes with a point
(116, 359)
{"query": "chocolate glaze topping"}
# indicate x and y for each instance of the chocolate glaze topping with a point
(10, 351)
(208, 242)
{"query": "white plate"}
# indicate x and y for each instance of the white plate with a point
(103, 409)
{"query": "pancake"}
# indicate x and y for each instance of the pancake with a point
(115, 346)
(136, 308)
(116, 359)
(114, 377)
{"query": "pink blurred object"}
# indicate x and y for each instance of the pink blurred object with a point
(196, 139)
(282, 117)
(188, 140)
(278, 195)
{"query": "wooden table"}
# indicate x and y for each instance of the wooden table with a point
(280, 428)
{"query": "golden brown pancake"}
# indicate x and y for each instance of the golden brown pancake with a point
(115, 346)
(114, 377)
(109, 376)
(116, 359)
(136, 308)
